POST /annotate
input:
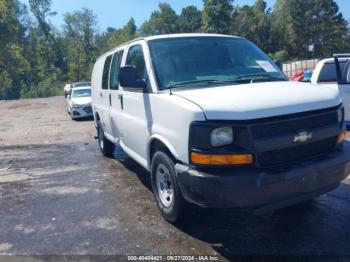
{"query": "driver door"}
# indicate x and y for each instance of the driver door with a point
(133, 117)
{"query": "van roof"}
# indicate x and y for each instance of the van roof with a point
(156, 37)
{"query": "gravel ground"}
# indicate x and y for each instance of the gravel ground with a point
(59, 196)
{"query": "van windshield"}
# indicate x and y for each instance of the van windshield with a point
(200, 61)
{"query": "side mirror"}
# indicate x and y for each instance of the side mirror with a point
(279, 64)
(128, 79)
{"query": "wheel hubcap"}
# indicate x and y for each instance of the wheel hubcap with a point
(164, 185)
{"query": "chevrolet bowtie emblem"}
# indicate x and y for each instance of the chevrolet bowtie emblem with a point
(302, 137)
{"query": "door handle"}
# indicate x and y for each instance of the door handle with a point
(101, 95)
(110, 100)
(120, 96)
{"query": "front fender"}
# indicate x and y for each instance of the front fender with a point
(165, 142)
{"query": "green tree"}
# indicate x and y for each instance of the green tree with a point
(45, 52)
(14, 68)
(297, 25)
(217, 15)
(347, 39)
(162, 21)
(253, 23)
(42, 10)
(127, 33)
(328, 28)
(190, 20)
(79, 33)
(36, 58)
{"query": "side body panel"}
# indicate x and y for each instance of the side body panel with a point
(170, 120)
(96, 87)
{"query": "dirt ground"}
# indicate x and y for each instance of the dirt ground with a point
(60, 196)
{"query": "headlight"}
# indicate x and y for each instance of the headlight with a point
(222, 136)
(76, 105)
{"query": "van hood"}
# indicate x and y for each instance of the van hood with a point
(260, 100)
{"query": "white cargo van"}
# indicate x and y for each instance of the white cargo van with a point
(217, 124)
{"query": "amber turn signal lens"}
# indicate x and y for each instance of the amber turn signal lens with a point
(341, 138)
(236, 159)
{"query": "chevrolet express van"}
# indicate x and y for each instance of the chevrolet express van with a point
(217, 124)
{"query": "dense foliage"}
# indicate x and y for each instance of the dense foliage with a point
(36, 58)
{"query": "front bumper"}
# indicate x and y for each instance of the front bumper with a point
(251, 187)
(81, 113)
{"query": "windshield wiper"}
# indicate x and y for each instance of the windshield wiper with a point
(233, 80)
(193, 82)
(256, 77)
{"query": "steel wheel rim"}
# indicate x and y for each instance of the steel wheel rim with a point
(164, 184)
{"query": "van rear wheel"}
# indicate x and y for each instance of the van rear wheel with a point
(165, 188)
(106, 146)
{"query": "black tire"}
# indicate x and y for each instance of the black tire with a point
(106, 146)
(71, 116)
(176, 211)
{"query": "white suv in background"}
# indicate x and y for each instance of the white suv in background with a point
(68, 87)
(79, 103)
(217, 124)
(327, 73)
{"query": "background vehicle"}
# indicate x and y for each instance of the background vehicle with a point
(79, 103)
(328, 73)
(68, 88)
(217, 123)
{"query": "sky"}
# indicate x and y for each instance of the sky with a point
(116, 13)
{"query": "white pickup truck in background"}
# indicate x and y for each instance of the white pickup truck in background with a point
(335, 72)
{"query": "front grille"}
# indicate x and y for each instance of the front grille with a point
(296, 153)
(275, 141)
(294, 124)
(88, 109)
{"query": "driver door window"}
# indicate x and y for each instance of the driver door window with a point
(136, 58)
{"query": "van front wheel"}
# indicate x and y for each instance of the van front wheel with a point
(106, 146)
(165, 188)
